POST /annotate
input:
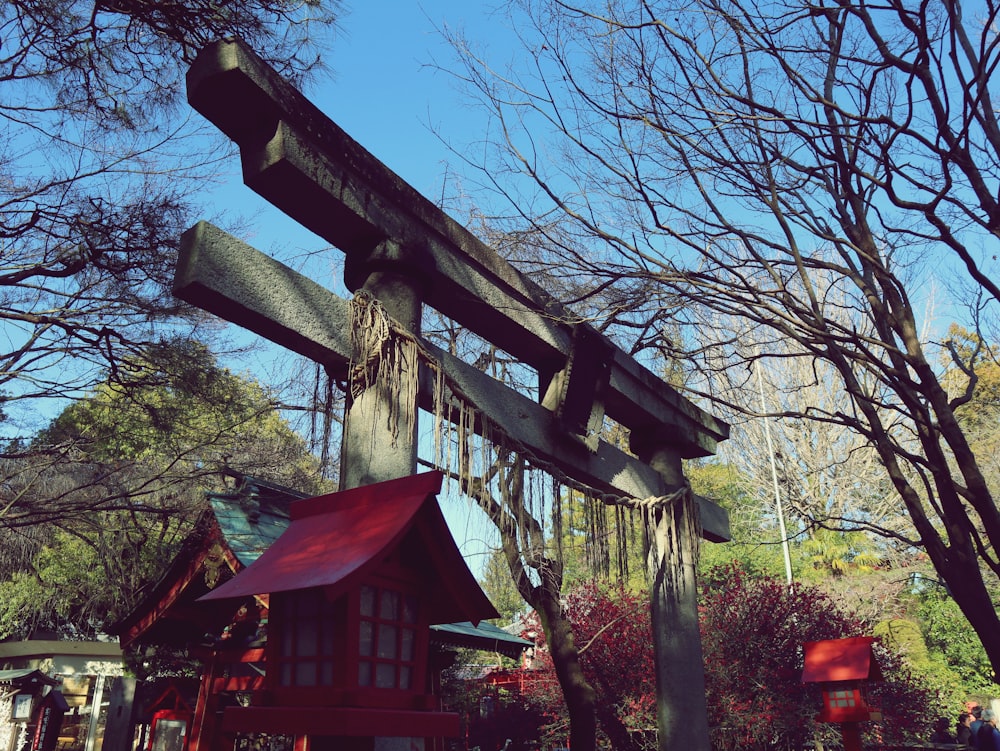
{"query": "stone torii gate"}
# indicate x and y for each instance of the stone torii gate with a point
(403, 251)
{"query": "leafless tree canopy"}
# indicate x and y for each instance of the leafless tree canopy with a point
(98, 170)
(811, 169)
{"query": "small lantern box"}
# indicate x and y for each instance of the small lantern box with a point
(843, 668)
(354, 585)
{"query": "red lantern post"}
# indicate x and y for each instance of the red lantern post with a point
(843, 668)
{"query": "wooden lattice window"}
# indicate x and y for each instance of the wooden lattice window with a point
(308, 632)
(387, 639)
(841, 698)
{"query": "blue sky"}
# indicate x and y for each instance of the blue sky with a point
(386, 91)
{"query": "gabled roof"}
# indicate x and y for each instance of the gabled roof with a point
(253, 517)
(26, 677)
(840, 660)
(336, 539)
(232, 533)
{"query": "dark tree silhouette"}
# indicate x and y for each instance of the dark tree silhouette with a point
(783, 181)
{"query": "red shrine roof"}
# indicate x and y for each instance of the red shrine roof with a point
(334, 540)
(840, 660)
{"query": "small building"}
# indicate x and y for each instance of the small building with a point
(224, 640)
(89, 676)
(21, 692)
(354, 585)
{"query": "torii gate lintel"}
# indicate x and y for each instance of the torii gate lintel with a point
(227, 277)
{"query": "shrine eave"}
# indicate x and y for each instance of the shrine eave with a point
(26, 678)
(485, 637)
(335, 539)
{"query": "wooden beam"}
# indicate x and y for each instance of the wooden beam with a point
(233, 280)
(341, 721)
(303, 163)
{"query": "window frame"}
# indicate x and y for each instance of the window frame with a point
(330, 617)
(345, 653)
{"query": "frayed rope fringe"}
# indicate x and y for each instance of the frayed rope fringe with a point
(385, 357)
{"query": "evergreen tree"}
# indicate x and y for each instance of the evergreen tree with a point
(123, 479)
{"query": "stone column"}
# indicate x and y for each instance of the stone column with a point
(372, 450)
(674, 532)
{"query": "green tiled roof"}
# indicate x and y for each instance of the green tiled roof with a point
(485, 636)
(253, 517)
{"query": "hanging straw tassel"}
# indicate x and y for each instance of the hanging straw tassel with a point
(386, 357)
(383, 360)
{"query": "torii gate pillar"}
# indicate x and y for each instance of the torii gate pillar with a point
(675, 531)
(372, 450)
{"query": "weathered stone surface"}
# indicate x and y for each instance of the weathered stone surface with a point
(302, 162)
(225, 276)
(233, 280)
(394, 238)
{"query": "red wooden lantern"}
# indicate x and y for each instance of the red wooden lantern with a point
(354, 585)
(843, 668)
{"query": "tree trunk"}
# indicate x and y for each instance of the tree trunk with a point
(514, 522)
(578, 693)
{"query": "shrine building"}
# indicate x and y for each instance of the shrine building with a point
(328, 617)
